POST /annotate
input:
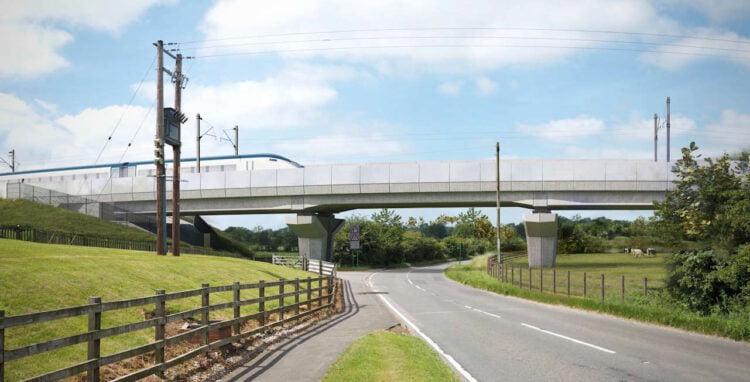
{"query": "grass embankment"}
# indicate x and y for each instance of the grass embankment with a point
(37, 277)
(386, 356)
(656, 307)
(28, 214)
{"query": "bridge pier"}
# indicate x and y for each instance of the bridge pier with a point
(315, 234)
(541, 238)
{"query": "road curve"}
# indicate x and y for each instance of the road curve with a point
(494, 337)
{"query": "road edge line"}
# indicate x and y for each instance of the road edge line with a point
(456, 366)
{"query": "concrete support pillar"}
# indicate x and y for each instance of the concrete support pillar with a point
(315, 234)
(541, 238)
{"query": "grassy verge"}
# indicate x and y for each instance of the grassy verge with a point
(41, 216)
(38, 277)
(386, 356)
(655, 307)
(367, 267)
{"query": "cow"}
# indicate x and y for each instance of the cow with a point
(650, 252)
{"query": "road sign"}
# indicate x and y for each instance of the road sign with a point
(354, 236)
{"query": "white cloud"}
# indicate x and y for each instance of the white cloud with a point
(32, 32)
(450, 88)
(703, 44)
(356, 145)
(730, 133)
(453, 50)
(485, 86)
(577, 152)
(564, 129)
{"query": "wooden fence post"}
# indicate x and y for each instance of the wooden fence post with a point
(531, 278)
(331, 280)
(94, 346)
(296, 296)
(204, 313)
(262, 301)
(602, 287)
(309, 293)
(554, 281)
(512, 275)
(622, 288)
(520, 277)
(645, 286)
(568, 283)
(236, 306)
(2, 345)
(160, 313)
(281, 300)
(584, 284)
(541, 279)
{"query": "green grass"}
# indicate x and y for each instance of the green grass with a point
(43, 217)
(655, 307)
(386, 356)
(37, 277)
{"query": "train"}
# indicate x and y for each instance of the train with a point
(147, 168)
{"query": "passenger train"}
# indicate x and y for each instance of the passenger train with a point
(147, 168)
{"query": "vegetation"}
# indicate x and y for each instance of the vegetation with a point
(27, 214)
(386, 356)
(710, 204)
(266, 240)
(655, 307)
(38, 277)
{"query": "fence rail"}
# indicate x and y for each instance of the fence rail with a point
(54, 237)
(570, 284)
(321, 267)
(318, 294)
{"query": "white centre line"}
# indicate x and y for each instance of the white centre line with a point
(570, 339)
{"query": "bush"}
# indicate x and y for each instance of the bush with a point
(416, 247)
(705, 282)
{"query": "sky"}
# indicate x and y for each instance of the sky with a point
(336, 81)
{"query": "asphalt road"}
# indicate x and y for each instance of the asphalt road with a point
(494, 337)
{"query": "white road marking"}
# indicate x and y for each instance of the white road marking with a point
(569, 339)
(420, 288)
(429, 340)
(467, 307)
(491, 314)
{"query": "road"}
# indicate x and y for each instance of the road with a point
(494, 337)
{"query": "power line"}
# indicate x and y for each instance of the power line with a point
(413, 46)
(327, 40)
(378, 30)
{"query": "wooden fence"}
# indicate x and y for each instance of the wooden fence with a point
(52, 237)
(567, 283)
(314, 294)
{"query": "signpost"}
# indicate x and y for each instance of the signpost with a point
(354, 242)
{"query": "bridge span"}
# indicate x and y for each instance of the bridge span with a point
(318, 192)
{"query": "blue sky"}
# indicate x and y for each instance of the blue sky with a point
(397, 81)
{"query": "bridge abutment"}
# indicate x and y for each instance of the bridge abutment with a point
(315, 234)
(541, 238)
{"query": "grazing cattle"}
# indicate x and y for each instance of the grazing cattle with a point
(627, 250)
(650, 252)
(636, 252)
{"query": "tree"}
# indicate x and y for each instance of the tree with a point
(710, 202)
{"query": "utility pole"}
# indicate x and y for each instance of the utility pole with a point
(497, 182)
(161, 213)
(656, 137)
(198, 141)
(176, 161)
(236, 140)
(668, 127)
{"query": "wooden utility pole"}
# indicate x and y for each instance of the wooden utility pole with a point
(497, 182)
(161, 218)
(198, 142)
(176, 161)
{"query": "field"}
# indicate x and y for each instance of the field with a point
(37, 277)
(655, 307)
(387, 356)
